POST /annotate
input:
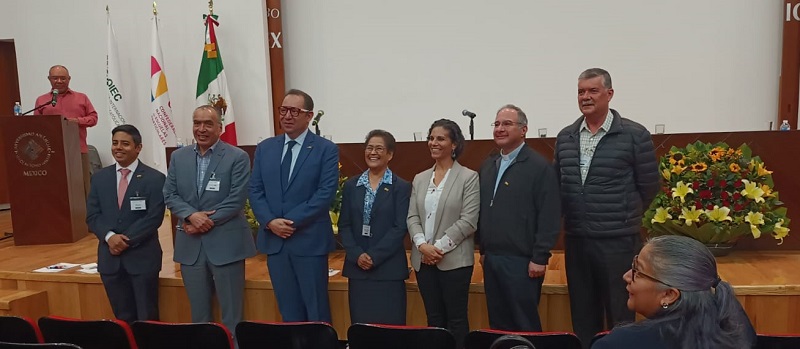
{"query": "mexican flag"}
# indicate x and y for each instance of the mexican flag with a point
(212, 87)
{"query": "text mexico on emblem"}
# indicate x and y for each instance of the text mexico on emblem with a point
(33, 150)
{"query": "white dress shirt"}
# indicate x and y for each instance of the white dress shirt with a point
(432, 196)
(131, 167)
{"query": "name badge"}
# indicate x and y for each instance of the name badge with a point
(138, 203)
(365, 231)
(213, 185)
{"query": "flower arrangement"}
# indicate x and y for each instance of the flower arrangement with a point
(336, 204)
(715, 194)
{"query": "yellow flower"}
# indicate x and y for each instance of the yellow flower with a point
(661, 216)
(734, 167)
(762, 170)
(681, 190)
(719, 214)
(699, 167)
(690, 215)
(780, 231)
(675, 158)
(767, 190)
(755, 219)
(716, 154)
(731, 151)
(666, 174)
(752, 191)
(678, 168)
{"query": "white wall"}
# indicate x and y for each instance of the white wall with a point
(695, 66)
(73, 33)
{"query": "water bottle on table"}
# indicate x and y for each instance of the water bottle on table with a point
(785, 126)
(17, 108)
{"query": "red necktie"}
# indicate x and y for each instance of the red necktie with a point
(123, 185)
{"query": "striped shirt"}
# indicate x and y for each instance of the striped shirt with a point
(202, 165)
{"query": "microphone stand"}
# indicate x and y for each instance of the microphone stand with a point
(471, 128)
(37, 108)
(316, 128)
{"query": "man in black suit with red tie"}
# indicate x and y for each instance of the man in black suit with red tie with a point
(124, 209)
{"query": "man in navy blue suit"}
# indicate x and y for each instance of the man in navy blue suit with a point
(124, 209)
(293, 183)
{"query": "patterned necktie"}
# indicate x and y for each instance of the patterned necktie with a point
(286, 163)
(123, 185)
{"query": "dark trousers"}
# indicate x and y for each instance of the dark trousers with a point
(132, 297)
(446, 295)
(512, 297)
(377, 301)
(597, 296)
(301, 286)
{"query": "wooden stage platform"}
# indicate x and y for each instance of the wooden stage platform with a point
(767, 284)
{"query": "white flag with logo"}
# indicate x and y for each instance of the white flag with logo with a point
(116, 100)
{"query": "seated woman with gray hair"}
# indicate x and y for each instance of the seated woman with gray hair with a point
(673, 282)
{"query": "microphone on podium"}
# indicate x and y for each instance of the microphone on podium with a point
(468, 113)
(55, 96)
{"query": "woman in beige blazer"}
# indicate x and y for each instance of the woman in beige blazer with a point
(442, 217)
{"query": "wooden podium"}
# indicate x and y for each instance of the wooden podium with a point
(45, 179)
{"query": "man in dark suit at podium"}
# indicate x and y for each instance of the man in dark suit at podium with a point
(74, 106)
(125, 218)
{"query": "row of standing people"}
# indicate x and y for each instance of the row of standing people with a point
(512, 208)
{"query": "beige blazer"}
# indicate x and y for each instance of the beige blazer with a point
(456, 215)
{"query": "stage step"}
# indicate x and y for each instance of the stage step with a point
(28, 303)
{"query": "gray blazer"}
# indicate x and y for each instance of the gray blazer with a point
(230, 240)
(456, 215)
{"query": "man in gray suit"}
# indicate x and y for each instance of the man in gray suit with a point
(213, 238)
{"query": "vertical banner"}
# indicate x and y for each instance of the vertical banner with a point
(789, 91)
(160, 106)
(276, 66)
(212, 85)
(116, 102)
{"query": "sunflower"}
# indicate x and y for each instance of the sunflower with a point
(716, 154)
(698, 167)
(675, 158)
(734, 167)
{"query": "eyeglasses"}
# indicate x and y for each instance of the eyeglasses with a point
(506, 123)
(635, 270)
(58, 78)
(294, 112)
(370, 149)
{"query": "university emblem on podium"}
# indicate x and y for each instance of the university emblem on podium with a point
(32, 149)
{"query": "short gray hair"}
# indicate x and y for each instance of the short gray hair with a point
(211, 109)
(521, 117)
(595, 72)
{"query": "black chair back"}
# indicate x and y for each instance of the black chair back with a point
(87, 334)
(483, 339)
(162, 335)
(363, 336)
(4, 345)
(511, 341)
(788, 341)
(286, 335)
(15, 329)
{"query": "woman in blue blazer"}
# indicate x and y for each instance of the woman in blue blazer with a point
(674, 283)
(372, 224)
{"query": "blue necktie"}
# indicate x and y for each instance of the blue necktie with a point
(286, 163)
